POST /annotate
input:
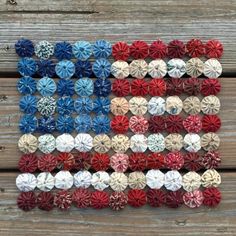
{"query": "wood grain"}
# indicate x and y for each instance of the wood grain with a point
(143, 221)
(116, 20)
(10, 115)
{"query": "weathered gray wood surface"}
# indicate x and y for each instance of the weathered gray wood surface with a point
(143, 221)
(115, 20)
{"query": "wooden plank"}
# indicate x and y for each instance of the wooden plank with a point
(10, 115)
(114, 22)
(130, 221)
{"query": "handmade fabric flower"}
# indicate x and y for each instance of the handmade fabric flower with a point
(63, 200)
(65, 143)
(45, 201)
(63, 180)
(139, 49)
(65, 124)
(138, 106)
(81, 198)
(193, 199)
(212, 197)
(192, 86)
(176, 68)
(82, 179)
(192, 105)
(212, 68)
(139, 87)
(102, 49)
(173, 180)
(26, 85)
(84, 87)
(120, 124)
(174, 123)
(174, 160)
(83, 142)
(120, 51)
(101, 68)
(174, 105)
(26, 182)
(101, 143)
(210, 105)
(138, 143)
(211, 178)
(156, 142)
(155, 161)
(65, 69)
(120, 69)
(118, 201)
(174, 86)
(195, 48)
(176, 49)
(137, 161)
(157, 49)
(102, 87)
(100, 162)
(101, 124)
(27, 201)
(46, 143)
(83, 160)
(121, 87)
(45, 181)
(214, 49)
(46, 68)
(65, 161)
(44, 49)
(83, 105)
(46, 86)
(65, 87)
(157, 68)
(83, 69)
(101, 105)
(47, 163)
(192, 161)
(83, 123)
(192, 142)
(155, 179)
(28, 124)
(137, 197)
(119, 106)
(27, 66)
(46, 124)
(118, 181)
(138, 68)
(156, 106)
(28, 163)
(24, 48)
(119, 162)
(210, 141)
(156, 124)
(193, 124)
(46, 106)
(63, 51)
(156, 197)
(137, 180)
(211, 160)
(210, 87)
(174, 199)
(82, 50)
(100, 180)
(99, 199)
(157, 87)
(120, 143)
(138, 124)
(191, 181)
(194, 67)
(211, 123)
(65, 106)
(28, 143)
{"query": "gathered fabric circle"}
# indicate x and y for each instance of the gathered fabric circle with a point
(212, 68)
(173, 180)
(156, 106)
(120, 69)
(210, 105)
(120, 143)
(119, 162)
(157, 69)
(137, 180)
(156, 142)
(192, 105)
(192, 142)
(46, 106)
(176, 68)
(194, 67)
(191, 181)
(138, 124)
(65, 143)
(210, 141)
(174, 142)
(101, 143)
(82, 179)
(28, 143)
(118, 181)
(83, 142)
(138, 68)
(174, 105)
(138, 143)
(100, 180)
(26, 182)
(211, 178)
(119, 106)
(46, 143)
(155, 179)
(138, 106)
